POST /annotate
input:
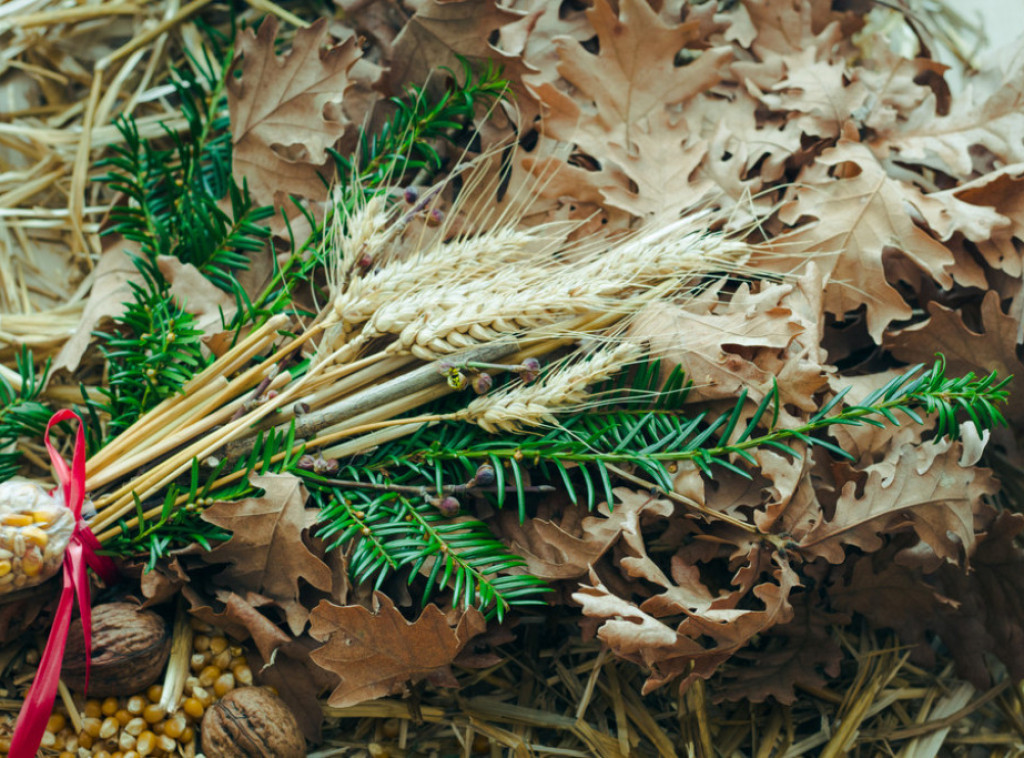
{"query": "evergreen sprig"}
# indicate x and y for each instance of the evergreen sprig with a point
(639, 424)
(22, 414)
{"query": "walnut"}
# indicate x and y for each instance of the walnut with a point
(129, 650)
(252, 722)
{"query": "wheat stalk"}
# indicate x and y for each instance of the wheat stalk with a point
(524, 405)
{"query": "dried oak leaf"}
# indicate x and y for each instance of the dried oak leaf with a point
(993, 349)
(975, 613)
(566, 548)
(443, 31)
(800, 653)
(266, 550)
(754, 341)
(919, 487)
(859, 217)
(278, 123)
(987, 120)
(376, 652)
(619, 111)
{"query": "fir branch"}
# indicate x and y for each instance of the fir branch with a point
(22, 415)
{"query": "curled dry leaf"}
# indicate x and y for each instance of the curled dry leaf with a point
(266, 551)
(922, 487)
(376, 652)
(278, 123)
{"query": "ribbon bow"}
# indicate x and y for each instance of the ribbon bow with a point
(81, 554)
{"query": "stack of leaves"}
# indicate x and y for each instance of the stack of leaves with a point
(682, 253)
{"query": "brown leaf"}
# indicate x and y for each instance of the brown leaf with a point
(922, 487)
(240, 618)
(376, 653)
(619, 110)
(800, 653)
(298, 681)
(266, 550)
(107, 295)
(566, 549)
(278, 123)
(442, 31)
(859, 217)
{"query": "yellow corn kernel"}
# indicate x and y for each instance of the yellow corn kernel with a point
(175, 725)
(56, 723)
(84, 740)
(203, 696)
(101, 753)
(123, 716)
(208, 676)
(126, 742)
(153, 713)
(224, 684)
(193, 707)
(136, 726)
(5, 568)
(136, 705)
(90, 724)
(242, 674)
(166, 744)
(43, 516)
(49, 739)
(222, 660)
(201, 643)
(36, 536)
(218, 644)
(146, 743)
(66, 754)
(16, 519)
(187, 736)
(109, 706)
(32, 563)
(155, 692)
(108, 728)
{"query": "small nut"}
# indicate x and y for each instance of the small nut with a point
(129, 649)
(252, 722)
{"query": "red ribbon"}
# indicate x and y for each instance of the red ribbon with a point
(80, 555)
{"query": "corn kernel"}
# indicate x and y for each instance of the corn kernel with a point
(72, 742)
(125, 741)
(92, 709)
(208, 676)
(153, 713)
(146, 743)
(218, 645)
(36, 536)
(165, 743)
(5, 744)
(175, 725)
(242, 674)
(16, 519)
(222, 660)
(203, 696)
(109, 706)
(32, 563)
(194, 708)
(155, 692)
(224, 684)
(49, 739)
(56, 723)
(91, 725)
(101, 753)
(5, 568)
(187, 736)
(136, 726)
(136, 705)
(66, 754)
(123, 716)
(198, 661)
(108, 728)
(200, 643)
(84, 741)
(131, 754)
(44, 516)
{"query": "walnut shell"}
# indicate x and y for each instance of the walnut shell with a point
(252, 722)
(129, 650)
